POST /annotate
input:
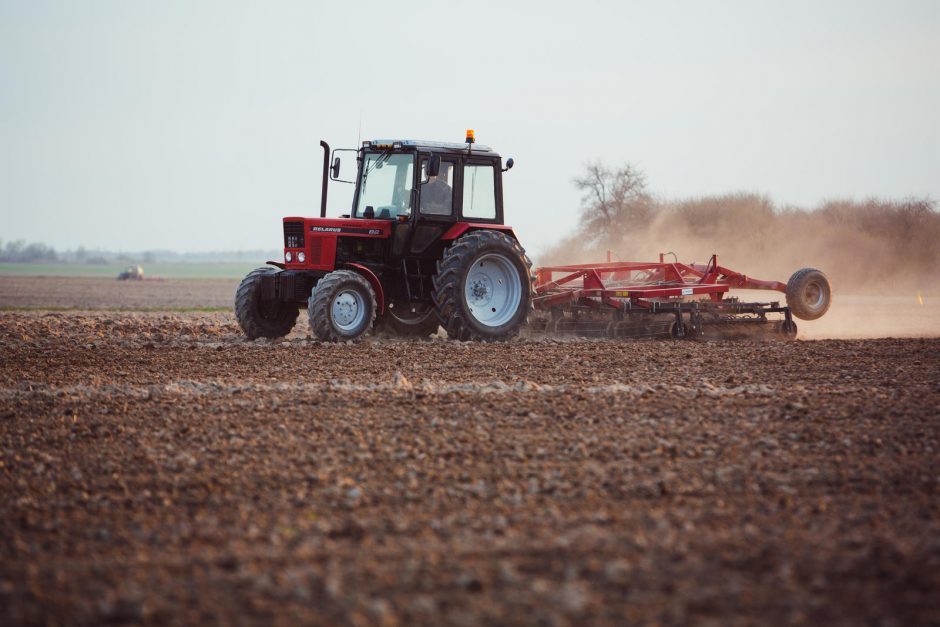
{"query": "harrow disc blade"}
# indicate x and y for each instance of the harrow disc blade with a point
(582, 327)
(639, 328)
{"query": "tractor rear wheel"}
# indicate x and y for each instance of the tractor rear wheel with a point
(483, 288)
(808, 294)
(406, 323)
(259, 318)
(341, 307)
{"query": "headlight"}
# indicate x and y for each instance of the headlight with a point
(301, 257)
(288, 257)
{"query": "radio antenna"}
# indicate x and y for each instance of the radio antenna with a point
(359, 134)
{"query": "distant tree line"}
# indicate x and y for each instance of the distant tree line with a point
(21, 252)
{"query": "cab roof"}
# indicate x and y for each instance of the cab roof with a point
(420, 144)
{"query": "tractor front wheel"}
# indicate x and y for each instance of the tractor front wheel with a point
(259, 318)
(483, 288)
(341, 307)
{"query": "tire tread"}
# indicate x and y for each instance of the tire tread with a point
(795, 287)
(246, 297)
(318, 305)
(446, 283)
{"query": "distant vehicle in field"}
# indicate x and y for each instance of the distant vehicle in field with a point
(131, 273)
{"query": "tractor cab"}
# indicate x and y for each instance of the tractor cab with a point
(413, 201)
(438, 181)
(424, 189)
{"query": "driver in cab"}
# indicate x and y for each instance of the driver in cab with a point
(437, 195)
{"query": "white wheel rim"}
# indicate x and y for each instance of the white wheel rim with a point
(348, 310)
(813, 295)
(493, 290)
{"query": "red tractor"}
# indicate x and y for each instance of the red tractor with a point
(424, 246)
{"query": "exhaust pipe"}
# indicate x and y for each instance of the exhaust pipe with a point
(326, 177)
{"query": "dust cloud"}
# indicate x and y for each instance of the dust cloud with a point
(881, 257)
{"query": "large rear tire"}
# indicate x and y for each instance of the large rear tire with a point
(258, 318)
(341, 307)
(484, 287)
(808, 294)
(407, 323)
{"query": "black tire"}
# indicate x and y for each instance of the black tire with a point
(450, 283)
(320, 306)
(421, 324)
(808, 294)
(259, 319)
(788, 329)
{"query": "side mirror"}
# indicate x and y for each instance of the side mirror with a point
(434, 165)
(335, 168)
(509, 164)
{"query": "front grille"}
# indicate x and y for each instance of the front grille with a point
(293, 235)
(316, 250)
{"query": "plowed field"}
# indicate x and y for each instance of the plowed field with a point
(155, 467)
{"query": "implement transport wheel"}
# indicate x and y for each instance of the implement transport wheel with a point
(402, 321)
(341, 307)
(808, 294)
(259, 318)
(484, 287)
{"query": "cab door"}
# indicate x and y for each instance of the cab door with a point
(481, 191)
(437, 204)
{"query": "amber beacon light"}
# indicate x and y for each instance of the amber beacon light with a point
(470, 138)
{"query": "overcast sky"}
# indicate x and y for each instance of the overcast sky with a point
(195, 125)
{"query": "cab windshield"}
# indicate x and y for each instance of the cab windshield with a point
(385, 185)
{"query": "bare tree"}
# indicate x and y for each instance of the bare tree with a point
(615, 201)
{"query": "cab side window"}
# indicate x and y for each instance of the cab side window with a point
(437, 195)
(479, 191)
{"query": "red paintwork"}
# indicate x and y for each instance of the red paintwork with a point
(459, 228)
(616, 285)
(375, 283)
(323, 257)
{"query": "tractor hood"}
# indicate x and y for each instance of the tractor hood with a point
(311, 242)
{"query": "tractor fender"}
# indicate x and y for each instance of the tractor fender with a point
(374, 282)
(460, 228)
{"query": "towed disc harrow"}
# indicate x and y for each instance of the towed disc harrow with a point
(627, 299)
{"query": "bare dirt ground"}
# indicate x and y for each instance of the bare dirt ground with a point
(22, 292)
(155, 467)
